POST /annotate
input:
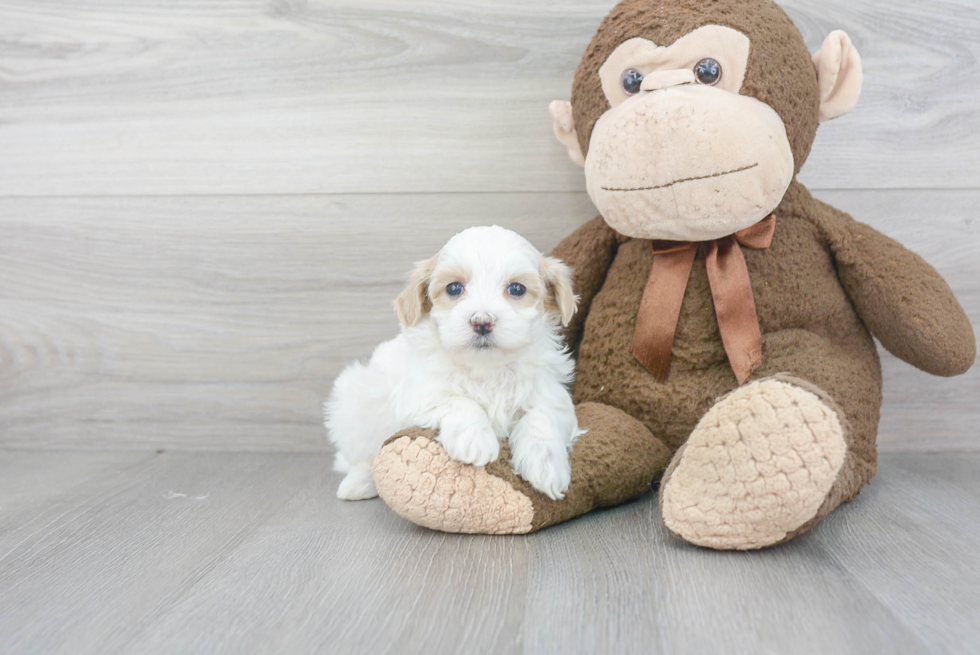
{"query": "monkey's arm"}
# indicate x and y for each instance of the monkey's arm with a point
(589, 250)
(903, 300)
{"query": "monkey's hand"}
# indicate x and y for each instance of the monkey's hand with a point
(903, 300)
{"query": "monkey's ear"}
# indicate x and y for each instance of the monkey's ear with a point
(560, 297)
(840, 75)
(414, 300)
(561, 114)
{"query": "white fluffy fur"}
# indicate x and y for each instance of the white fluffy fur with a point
(439, 373)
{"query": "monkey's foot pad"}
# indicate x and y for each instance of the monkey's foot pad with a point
(756, 468)
(418, 479)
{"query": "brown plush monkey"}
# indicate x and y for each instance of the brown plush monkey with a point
(725, 334)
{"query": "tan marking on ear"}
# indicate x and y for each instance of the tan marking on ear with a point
(414, 301)
(840, 74)
(564, 126)
(560, 296)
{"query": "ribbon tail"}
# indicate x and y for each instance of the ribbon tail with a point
(660, 308)
(735, 309)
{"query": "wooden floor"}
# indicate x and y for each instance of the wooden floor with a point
(251, 553)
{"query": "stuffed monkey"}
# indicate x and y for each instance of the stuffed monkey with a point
(725, 337)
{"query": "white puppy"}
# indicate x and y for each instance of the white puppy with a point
(480, 358)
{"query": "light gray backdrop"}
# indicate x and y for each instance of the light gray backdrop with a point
(206, 208)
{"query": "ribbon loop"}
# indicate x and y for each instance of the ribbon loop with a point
(731, 290)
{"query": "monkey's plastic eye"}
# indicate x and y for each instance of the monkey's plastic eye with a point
(454, 289)
(516, 290)
(707, 71)
(632, 79)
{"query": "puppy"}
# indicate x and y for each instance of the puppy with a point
(480, 357)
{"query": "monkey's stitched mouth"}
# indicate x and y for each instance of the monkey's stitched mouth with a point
(689, 179)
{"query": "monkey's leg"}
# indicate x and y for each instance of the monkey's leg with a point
(615, 461)
(774, 457)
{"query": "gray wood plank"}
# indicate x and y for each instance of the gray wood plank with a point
(328, 576)
(219, 322)
(36, 486)
(911, 542)
(99, 570)
(270, 562)
(616, 582)
(384, 96)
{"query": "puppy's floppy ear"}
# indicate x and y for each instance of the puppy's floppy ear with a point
(557, 277)
(414, 300)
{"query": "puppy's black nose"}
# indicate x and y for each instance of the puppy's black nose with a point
(482, 324)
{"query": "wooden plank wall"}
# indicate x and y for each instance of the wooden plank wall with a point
(207, 207)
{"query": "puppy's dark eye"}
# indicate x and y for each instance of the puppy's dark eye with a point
(632, 79)
(454, 289)
(707, 71)
(516, 290)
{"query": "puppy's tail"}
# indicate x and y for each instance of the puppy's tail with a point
(358, 415)
(338, 407)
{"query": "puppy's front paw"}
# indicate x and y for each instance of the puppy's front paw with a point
(545, 465)
(476, 445)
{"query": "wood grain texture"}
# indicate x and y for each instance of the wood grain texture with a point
(251, 553)
(150, 535)
(329, 576)
(211, 322)
(220, 322)
(36, 488)
(368, 96)
(921, 518)
(619, 583)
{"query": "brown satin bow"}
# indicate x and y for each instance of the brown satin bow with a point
(731, 290)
